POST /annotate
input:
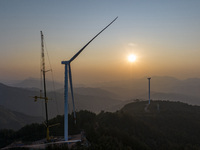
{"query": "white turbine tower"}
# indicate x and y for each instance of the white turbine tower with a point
(68, 72)
(149, 89)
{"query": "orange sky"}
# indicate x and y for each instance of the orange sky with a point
(163, 35)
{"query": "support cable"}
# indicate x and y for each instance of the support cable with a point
(52, 78)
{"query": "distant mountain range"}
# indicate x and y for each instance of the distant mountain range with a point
(21, 100)
(33, 83)
(15, 120)
(169, 88)
(109, 96)
(126, 89)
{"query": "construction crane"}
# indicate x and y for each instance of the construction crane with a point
(44, 85)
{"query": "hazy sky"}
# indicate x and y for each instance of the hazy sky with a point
(163, 34)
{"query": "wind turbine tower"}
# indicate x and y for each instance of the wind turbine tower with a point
(68, 75)
(149, 89)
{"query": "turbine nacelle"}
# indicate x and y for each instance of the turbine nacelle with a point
(65, 62)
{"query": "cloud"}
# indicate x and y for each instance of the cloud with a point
(132, 44)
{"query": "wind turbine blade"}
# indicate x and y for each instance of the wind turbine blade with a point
(72, 93)
(90, 41)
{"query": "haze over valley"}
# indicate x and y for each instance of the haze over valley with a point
(106, 96)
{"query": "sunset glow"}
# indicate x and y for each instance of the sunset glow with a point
(132, 58)
(144, 36)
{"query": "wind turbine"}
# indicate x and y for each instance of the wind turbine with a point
(68, 74)
(149, 88)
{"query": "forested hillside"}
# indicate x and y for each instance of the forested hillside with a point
(161, 125)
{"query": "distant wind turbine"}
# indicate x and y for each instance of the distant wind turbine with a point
(68, 72)
(149, 88)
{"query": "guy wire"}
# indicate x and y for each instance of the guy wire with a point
(52, 78)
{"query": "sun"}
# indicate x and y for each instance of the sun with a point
(132, 58)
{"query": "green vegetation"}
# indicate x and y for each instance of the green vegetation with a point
(161, 125)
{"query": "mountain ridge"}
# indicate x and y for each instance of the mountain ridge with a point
(138, 125)
(22, 100)
(106, 98)
(15, 120)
